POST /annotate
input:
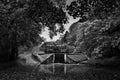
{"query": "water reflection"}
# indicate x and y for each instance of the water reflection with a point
(58, 68)
(74, 72)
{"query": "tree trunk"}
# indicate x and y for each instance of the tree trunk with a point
(14, 50)
(14, 53)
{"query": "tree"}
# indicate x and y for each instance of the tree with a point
(21, 22)
(97, 32)
(91, 9)
(64, 37)
(59, 3)
(95, 38)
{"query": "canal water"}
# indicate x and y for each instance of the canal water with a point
(58, 71)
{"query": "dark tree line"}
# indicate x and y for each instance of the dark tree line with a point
(21, 22)
(92, 9)
(98, 30)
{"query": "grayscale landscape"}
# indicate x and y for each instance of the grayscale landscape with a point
(59, 39)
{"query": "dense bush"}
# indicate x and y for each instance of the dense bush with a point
(21, 22)
(97, 33)
(97, 38)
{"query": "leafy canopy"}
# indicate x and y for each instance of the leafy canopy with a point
(98, 31)
(87, 9)
(21, 22)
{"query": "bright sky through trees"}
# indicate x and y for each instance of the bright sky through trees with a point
(45, 32)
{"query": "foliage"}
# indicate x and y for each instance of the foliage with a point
(98, 38)
(59, 3)
(63, 38)
(98, 31)
(21, 22)
(91, 9)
